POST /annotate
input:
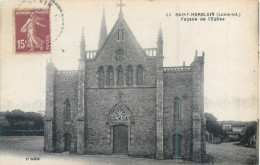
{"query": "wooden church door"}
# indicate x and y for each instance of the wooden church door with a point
(176, 146)
(67, 142)
(120, 139)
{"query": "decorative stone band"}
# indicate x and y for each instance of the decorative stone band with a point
(46, 118)
(178, 69)
(150, 51)
(90, 54)
(80, 118)
(196, 116)
(67, 72)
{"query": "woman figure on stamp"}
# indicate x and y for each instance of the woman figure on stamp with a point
(30, 27)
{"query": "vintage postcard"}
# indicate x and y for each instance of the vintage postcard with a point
(129, 82)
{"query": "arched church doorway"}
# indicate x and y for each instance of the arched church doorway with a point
(67, 146)
(120, 139)
(176, 146)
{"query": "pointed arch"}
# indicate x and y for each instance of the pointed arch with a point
(120, 113)
(110, 76)
(129, 75)
(67, 110)
(120, 80)
(177, 109)
(101, 76)
(140, 75)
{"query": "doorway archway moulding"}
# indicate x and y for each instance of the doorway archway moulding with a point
(120, 114)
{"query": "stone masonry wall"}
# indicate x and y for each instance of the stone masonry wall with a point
(149, 105)
(140, 101)
(133, 56)
(66, 88)
(177, 84)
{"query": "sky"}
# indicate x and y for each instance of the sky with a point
(230, 46)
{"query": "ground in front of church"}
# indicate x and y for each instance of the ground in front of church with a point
(24, 150)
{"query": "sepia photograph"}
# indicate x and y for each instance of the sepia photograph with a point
(112, 82)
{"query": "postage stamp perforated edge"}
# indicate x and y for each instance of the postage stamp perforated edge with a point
(14, 33)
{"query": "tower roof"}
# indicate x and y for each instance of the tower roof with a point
(160, 35)
(82, 41)
(103, 31)
(122, 26)
(82, 45)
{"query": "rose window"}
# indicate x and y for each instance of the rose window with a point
(120, 115)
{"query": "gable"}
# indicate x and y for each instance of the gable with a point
(121, 46)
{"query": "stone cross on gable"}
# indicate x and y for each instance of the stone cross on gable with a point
(121, 5)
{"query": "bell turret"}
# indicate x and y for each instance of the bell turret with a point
(103, 31)
(160, 43)
(82, 45)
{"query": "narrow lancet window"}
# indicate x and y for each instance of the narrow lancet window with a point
(129, 76)
(120, 34)
(101, 76)
(140, 75)
(110, 76)
(120, 80)
(67, 110)
(177, 109)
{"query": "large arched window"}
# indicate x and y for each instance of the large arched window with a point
(129, 75)
(120, 80)
(67, 110)
(101, 76)
(140, 75)
(177, 109)
(110, 76)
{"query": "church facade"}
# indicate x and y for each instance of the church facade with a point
(121, 100)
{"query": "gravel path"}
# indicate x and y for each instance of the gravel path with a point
(15, 150)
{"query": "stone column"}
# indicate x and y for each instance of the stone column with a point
(124, 75)
(196, 141)
(198, 133)
(81, 98)
(159, 112)
(80, 137)
(49, 133)
(105, 76)
(159, 97)
(115, 76)
(81, 108)
(48, 136)
(134, 75)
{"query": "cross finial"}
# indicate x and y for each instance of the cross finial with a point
(120, 95)
(121, 5)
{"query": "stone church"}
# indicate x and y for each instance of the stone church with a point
(121, 100)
